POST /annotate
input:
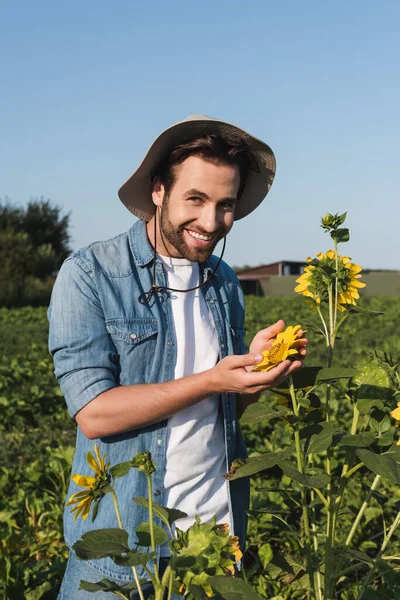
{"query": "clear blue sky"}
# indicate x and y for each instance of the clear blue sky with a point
(87, 86)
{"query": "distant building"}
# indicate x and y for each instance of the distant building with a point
(279, 279)
(252, 279)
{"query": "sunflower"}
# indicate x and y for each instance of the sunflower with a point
(317, 276)
(283, 346)
(96, 486)
(214, 550)
(396, 415)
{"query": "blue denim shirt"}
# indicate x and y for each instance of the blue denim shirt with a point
(102, 337)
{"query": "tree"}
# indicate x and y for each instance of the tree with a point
(34, 241)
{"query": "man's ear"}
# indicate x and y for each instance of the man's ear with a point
(158, 192)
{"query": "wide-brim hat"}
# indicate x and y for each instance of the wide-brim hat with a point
(136, 192)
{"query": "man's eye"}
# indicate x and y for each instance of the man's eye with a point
(196, 199)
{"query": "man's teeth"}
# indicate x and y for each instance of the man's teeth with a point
(199, 236)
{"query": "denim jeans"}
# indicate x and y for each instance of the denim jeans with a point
(79, 569)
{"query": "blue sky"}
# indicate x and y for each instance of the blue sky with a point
(87, 86)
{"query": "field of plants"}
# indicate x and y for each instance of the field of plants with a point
(37, 442)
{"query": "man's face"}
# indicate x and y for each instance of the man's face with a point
(199, 210)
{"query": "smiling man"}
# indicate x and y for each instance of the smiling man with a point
(147, 333)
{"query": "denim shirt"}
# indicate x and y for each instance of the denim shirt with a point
(101, 337)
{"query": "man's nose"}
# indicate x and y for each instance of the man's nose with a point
(209, 219)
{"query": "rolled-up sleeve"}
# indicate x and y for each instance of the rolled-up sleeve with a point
(85, 359)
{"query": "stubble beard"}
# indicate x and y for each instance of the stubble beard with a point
(176, 238)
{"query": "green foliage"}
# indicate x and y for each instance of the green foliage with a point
(33, 244)
(37, 439)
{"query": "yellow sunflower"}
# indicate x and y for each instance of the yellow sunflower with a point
(95, 485)
(283, 346)
(396, 415)
(314, 282)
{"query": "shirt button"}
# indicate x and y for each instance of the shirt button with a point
(169, 343)
(211, 301)
(159, 442)
(157, 492)
(222, 345)
(133, 336)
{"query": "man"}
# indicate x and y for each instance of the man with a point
(146, 330)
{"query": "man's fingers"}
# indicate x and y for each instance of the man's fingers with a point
(272, 331)
(243, 360)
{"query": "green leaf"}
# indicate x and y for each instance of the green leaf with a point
(233, 588)
(121, 469)
(341, 235)
(318, 481)
(38, 592)
(380, 464)
(379, 497)
(101, 543)
(255, 464)
(358, 310)
(340, 219)
(357, 555)
(365, 405)
(258, 412)
(303, 378)
(134, 558)
(143, 535)
(318, 437)
(105, 585)
(333, 373)
(360, 440)
(109, 586)
(167, 515)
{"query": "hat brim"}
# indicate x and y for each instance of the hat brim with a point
(135, 194)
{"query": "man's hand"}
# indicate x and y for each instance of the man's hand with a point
(263, 339)
(234, 374)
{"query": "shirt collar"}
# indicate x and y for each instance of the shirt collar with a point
(141, 248)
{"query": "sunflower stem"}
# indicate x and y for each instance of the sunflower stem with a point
(362, 510)
(336, 286)
(385, 542)
(135, 575)
(304, 502)
(151, 522)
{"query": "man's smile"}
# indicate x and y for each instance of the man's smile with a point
(201, 237)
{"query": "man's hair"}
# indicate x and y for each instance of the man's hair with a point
(213, 148)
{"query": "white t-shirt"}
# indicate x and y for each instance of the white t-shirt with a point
(195, 456)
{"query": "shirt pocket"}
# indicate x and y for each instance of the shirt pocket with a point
(238, 334)
(132, 331)
(136, 343)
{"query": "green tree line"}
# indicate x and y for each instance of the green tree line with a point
(34, 241)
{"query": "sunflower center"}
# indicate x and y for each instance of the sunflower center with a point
(278, 352)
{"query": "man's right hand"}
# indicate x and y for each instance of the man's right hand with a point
(230, 374)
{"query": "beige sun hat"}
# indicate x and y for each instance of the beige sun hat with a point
(136, 192)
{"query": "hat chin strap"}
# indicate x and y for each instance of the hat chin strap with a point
(146, 297)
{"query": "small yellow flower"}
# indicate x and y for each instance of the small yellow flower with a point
(94, 484)
(396, 415)
(283, 346)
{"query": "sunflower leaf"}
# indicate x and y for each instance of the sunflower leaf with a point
(101, 543)
(380, 464)
(258, 412)
(167, 515)
(121, 469)
(143, 534)
(231, 588)
(134, 558)
(341, 235)
(332, 373)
